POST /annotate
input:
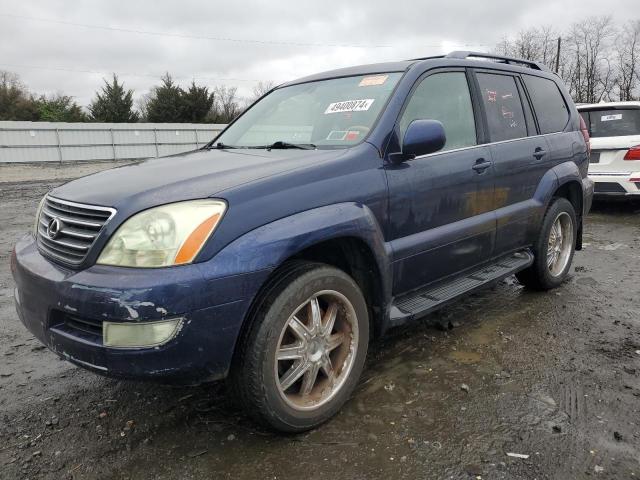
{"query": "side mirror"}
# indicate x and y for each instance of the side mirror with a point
(423, 137)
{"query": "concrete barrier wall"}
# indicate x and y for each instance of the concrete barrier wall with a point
(31, 142)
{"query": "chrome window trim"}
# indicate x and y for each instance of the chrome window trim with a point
(442, 152)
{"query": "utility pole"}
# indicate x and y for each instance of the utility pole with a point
(558, 55)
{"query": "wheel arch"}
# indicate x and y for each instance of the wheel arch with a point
(355, 257)
(563, 180)
(570, 186)
(572, 191)
(346, 236)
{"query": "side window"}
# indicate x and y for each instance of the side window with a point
(550, 107)
(501, 100)
(444, 97)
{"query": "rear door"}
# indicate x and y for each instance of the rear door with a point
(520, 154)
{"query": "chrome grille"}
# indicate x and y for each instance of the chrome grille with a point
(77, 227)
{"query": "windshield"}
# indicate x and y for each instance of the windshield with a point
(612, 122)
(329, 113)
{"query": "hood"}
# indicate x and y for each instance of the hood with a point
(198, 174)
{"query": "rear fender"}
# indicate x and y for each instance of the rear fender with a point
(554, 180)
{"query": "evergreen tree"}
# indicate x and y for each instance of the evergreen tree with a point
(114, 104)
(165, 102)
(197, 102)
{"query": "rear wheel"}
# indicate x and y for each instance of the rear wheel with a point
(305, 348)
(554, 249)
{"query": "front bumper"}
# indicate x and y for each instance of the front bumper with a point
(616, 184)
(213, 310)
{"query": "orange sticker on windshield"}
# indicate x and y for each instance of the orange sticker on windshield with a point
(352, 135)
(373, 80)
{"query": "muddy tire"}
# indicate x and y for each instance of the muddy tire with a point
(554, 248)
(304, 350)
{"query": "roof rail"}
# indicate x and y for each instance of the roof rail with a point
(431, 57)
(463, 54)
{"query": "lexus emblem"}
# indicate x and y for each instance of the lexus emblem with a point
(54, 227)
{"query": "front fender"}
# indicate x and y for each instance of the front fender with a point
(268, 246)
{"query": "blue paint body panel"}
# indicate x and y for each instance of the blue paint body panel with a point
(420, 221)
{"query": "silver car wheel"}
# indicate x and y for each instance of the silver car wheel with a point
(316, 350)
(560, 244)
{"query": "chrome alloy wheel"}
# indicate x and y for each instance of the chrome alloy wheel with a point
(560, 242)
(316, 350)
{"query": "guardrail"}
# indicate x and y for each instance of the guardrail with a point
(32, 142)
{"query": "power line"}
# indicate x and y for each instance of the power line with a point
(125, 74)
(217, 39)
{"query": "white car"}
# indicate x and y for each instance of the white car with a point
(615, 146)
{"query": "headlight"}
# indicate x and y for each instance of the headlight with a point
(171, 234)
(36, 224)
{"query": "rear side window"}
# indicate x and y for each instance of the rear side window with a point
(444, 97)
(612, 123)
(502, 104)
(550, 107)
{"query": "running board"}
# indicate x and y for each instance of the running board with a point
(426, 300)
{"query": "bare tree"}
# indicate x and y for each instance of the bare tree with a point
(536, 44)
(142, 105)
(597, 60)
(16, 103)
(591, 75)
(260, 89)
(227, 104)
(627, 48)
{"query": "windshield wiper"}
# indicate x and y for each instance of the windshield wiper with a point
(222, 146)
(282, 145)
(275, 145)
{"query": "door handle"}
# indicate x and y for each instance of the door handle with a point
(481, 165)
(539, 153)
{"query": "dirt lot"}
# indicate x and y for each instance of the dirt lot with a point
(554, 376)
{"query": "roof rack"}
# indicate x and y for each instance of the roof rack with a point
(431, 57)
(463, 54)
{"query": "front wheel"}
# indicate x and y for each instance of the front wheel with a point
(305, 348)
(554, 248)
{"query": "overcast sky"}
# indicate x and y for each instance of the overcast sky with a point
(238, 43)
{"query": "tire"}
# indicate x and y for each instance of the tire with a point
(270, 390)
(542, 275)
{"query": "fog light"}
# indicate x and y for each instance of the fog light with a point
(138, 335)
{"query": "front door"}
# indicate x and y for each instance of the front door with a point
(440, 205)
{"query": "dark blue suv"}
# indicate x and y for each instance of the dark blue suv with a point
(337, 206)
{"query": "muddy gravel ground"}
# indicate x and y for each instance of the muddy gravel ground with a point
(552, 376)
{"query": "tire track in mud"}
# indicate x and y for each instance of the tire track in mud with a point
(528, 359)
